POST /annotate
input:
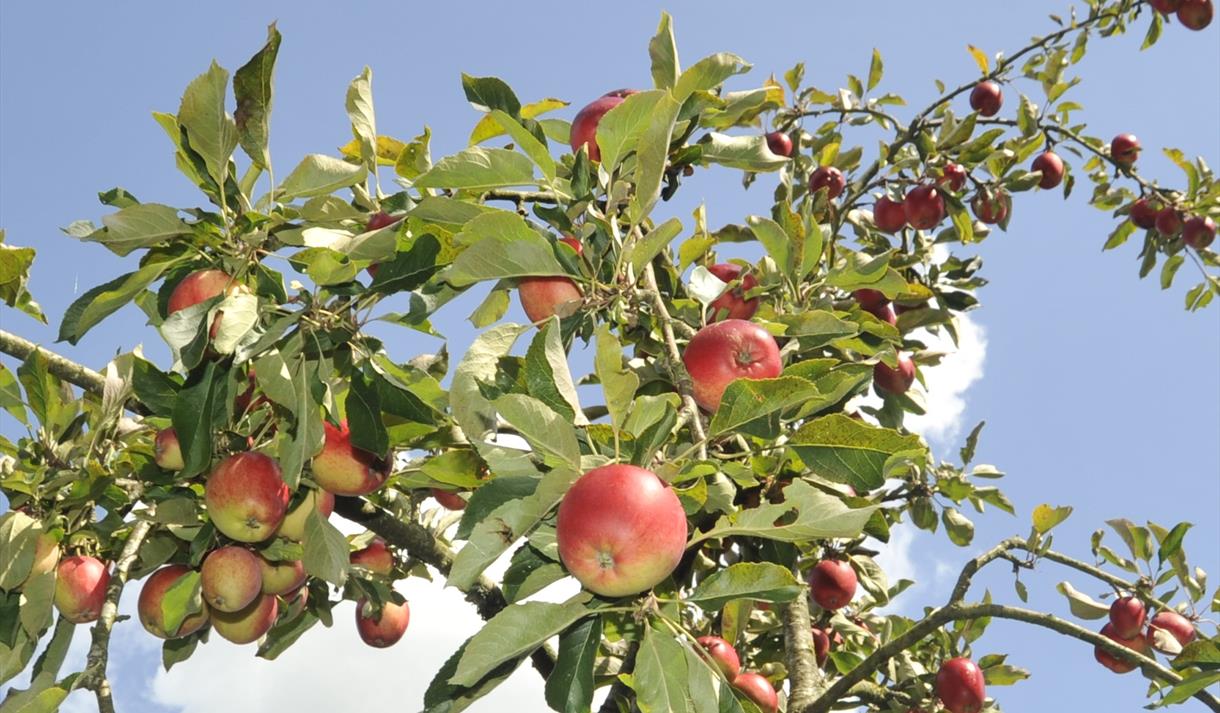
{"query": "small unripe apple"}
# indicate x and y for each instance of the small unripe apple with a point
(829, 178)
(724, 351)
(247, 625)
(722, 654)
(344, 469)
(620, 530)
(779, 143)
(986, 98)
(894, 381)
(1144, 212)
(282, 577)
(1114, 663)
(376, 557)
(80, 588)
(1127, 617)
(1199, 232)
(889, 215)
(924, 207)
(385, 628)
(449, 499)
(990, 209)
(167, 452)
(231, 578)
(1196, 14)
(960, 686)
(544, 297)
(759, 690)
(954, 175)
(1051, 166)
(1174, 624)
(293, 526)
(733, 302)
(584, 126)
(832, 584)
(152, 594)
(1124, 149)
(246, 496)
(1169, 222)
(1165, 7)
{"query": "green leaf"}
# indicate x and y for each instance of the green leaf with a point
(746, 400)
(515, 631)
(529, 573)
(364, 416)
(444, 697)
(660, 675)
(516, 252)
(546, 431)
(663, 51)
(748, 153)
(284, 634)
(972, 442)
(359, 105)
(653, 242)
(620, 129)
(326, 550)
(958, 527)
(211, 131)
(1004, 675)
(1188, 687)
(774, 239)
(197, 406)
(527, 142)
(807, 513)
(489, 94)
(652, 154)
(471, 410)
(569, 688)
(44, 392)
(1046, 517)
(153, 387)
(850, 451)
(18, 539)
(183, 599)
(1082, 605)
(547, 376)
(307, 432)
(762, 581)
(100, 302)
(619, 383)
(875, 69)
(479, 168)
(708, 73)
(1171, 544)
(252, 88)
(487, 128)
(1169, 269)
(43, 696)
(1120, 234)
(15, 265)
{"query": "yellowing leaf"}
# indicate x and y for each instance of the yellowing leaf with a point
(388, 149)
(488, 127)
(1047, 516)
(979, 58)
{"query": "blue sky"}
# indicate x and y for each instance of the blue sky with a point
(1099, 390)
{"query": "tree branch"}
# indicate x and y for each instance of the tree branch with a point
(798, 651)
(62, 367)
(676, 368)
(521, 196)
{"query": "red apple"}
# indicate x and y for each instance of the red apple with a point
(380, 220)
(1144, 212)
(1174, 624)
(584, 126)
(376, 558)
(344, 469)
(383, 629)
(542, 297)
(249, 624)
(724, 351)
(149, 605)
(1127, 617)
(620, 530)
(281, 578)
(830, 178)
(1165, 7)
(924, 207)
(986, 98)
(832, 584)
(733, 301)
(953, 174)
(572, 242)
(960, 686)
(448, 499)
(242, 402)
(895, 381)
(200, 286)
(823, 641)
(779, 143)
(990, 209)
(167, 452)
(1169, 222)
(231, 578)
(889, 215)
(758, 689)
(1051, 167)
(1196, 14)
(1114, 663)
(722, 654)
(1199, 232)
(885, 313)
(80, 588)
(246, 497)
(870, 299)
(293, 526)
(1124, 149)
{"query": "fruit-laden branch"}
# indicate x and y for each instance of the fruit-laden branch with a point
(94, 676)
(61, 366)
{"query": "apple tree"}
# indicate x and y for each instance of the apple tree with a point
(720, 500)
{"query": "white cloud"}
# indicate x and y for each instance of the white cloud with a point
(948, 382)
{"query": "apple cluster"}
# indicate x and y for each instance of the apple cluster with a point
(1167, 631)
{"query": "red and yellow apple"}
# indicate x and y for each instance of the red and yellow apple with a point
(247, 497)
(376, 557)
(149, 605)
(384, 628)
(282, 577)
(1199, 232)
(293, 526)
(1196, 14)
(1174, 624)
(80, 588)
(343, 469)
(732, 302)
(200, 286)
(167, 452)
(449, 499)
(1144, 212)
(584, 126)
(249, 624)
(231, 578)
(724, 351)
(828, 178)
(1124, 149)
(546, 296)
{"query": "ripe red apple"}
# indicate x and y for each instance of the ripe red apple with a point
(924, 207)
(1199, 232)
(167, 452)
(293, 526)
(830, 178)
(758, 689)
(1114, 663)
(1127, 617)
(247, 625)
(990, 209)
(620, 530)
(960, 686)
(823, 641)
(1174, 624)
(986, 98)
(1124, 149)
(1169, 222)
(80, 588)
(384, 629)
(584, 126)
(200, 286)
(572, 242)
(779, 143)
(231, 578)
(885, 313)
(722, 654)
(1165, 7)
(448, 499)
(870, 299)
(376, 558)
(832, 584)
(282, 577)
(895, 381)
(728, 350)
(1144, 212)
(1051, 167)
(953, 174)
(246, 496)
(542, 297)
(149, 605)
(1196, 14)
(889, 215)
(733, 301)
(379, 220)
(344, 469)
